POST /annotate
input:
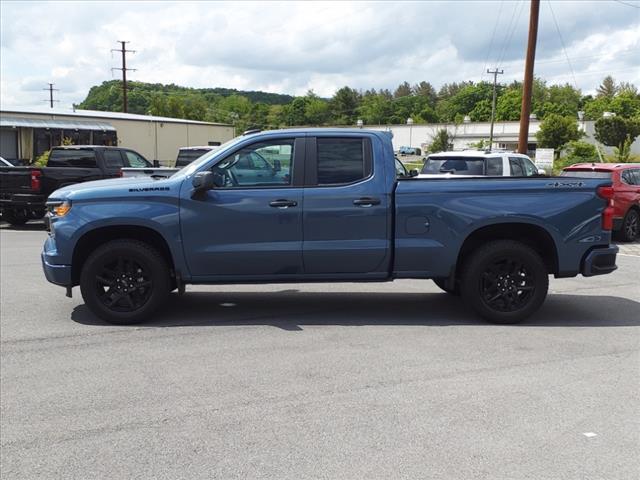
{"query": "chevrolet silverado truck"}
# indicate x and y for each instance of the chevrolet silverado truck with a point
(24, 190)
(338, 210)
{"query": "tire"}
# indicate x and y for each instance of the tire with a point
(105, 277)
(630, 226)
(15, 217)
(441, 283)
(504, 281)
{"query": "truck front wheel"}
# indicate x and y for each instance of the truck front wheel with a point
(505, 281)
(124, 281)
(15, 217)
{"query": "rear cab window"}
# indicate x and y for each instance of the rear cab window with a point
(73, 157)
(112, 159)
(456, 165)
(185, 157)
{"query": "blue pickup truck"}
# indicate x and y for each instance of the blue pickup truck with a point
(325, 205)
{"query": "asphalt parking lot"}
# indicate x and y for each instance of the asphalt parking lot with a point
(340, 381)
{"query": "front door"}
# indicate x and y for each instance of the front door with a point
(250, 225)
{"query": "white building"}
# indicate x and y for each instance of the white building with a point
(505, 134)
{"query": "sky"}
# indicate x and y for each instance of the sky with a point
(291, 47)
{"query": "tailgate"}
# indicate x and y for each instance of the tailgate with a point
(15, 180)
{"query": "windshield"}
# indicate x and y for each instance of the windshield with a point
(586, 174)
(221, 150)
(454, 165)
(185, 157)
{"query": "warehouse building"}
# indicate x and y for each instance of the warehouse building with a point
(27, 133)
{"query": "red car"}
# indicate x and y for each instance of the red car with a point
(625, 178)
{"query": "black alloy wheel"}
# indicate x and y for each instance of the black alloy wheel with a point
(506, 284)
(504, 281)
(123, 285)
(125, 281)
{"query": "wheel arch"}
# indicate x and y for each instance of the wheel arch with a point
(96, 237)
(529, 234)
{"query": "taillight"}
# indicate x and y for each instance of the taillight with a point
(607, 213)
(35, 180)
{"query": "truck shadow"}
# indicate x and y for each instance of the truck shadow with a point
(293, 310)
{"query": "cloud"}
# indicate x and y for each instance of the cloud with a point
(291, 47)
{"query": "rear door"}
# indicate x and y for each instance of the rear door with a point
(628, 192)
(345, 209)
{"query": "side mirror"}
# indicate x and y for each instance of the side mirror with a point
(156, 164)
(203, 181)
(414, 172)
(277, 166)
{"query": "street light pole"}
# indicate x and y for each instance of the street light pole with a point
(410, 123)
(495, 73)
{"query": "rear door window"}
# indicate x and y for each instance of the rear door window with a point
(494, 166)
(73, 157)
(341, 161)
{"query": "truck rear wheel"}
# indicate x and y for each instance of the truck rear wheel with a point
(124, 281)
(505, 281)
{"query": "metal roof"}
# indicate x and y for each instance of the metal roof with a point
(100, 114)
(70, 124)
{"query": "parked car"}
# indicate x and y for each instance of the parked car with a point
(409, 151)
(336, 211)
(480, 163)
(625, 179)
(24, 190)
(186, 155)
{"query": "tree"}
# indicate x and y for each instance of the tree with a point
(607, 88)
(344, 106)
(441, 141)
(426, 90)
(403, 90)
(614, 131)
(556, 131)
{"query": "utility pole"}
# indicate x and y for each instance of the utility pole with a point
(495, 74)
(51, 90)
(124, 69)
(527, 87)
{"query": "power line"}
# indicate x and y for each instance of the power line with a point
(495, 27)
(124, 69)
(51, 90)
(564, 49)
(627, 4)
(513, 29)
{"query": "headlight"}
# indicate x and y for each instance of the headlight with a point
(59, 209)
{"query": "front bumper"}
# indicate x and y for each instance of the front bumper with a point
(58, 274)
(600, 261)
